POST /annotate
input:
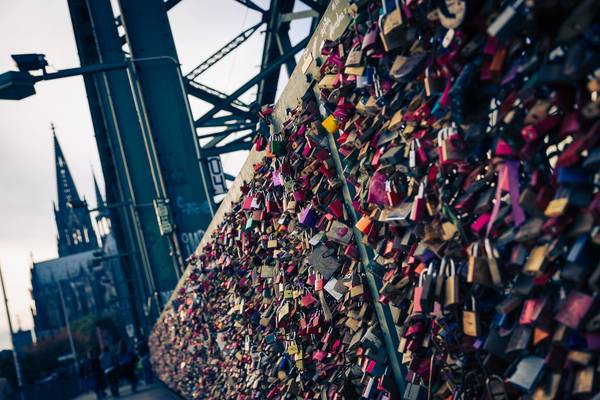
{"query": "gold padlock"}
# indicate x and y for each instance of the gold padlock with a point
(478, 270)
(288, 292)
(556, 207)
(299, 356)
(357, 290)
(471, 320)
(330, 124)
(451, 284)
(584, 381)
(537, 260)
(292, 347)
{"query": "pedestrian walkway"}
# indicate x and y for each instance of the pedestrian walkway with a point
(145, 392)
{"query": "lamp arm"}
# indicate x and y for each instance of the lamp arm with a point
(86, 69)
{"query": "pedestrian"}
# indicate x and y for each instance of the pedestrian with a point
(109, 365)
(95, 374)
(144, 354)
(127, 362)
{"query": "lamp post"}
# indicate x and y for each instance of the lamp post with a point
(12, 340)
(16, 85)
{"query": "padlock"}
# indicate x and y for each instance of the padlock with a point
(418, 206)
(478, 271)
(277, 144)
(417, 293)
(318, 281)
(427, 296)
(478, 142)
(330, 124)
(449, 145)
(575, 309)
(307, 300)
(412, 156)
(272, 243)
(288, 292)
(471, 323)
(414, 391)
(585, 381)
(357, 289)
(433, 84)
(393, 30)
(451, 284)
(393, 196)
(536, 260)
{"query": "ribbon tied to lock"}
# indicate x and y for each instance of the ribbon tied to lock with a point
(508, 181)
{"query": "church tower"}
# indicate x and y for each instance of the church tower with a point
(73, 222)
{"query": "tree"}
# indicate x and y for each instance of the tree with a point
(42, 359)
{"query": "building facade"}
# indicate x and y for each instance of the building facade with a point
(23, 340)
(87, 270)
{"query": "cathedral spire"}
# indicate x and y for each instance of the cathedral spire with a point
(99, 200)
(73, 223)
(100, 204)
(67, 192)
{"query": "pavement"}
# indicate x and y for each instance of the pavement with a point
(155, 391)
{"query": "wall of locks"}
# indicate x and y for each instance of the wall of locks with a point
(423, 224)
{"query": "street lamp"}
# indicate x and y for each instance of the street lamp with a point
(17, 85)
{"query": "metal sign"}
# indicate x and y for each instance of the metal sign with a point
(163, 217)
(217, 177)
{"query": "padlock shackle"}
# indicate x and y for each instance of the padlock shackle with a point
(488, 248)
(473, 307)
(475, 249)
(444, 269)
(421, 277)
(431, 268)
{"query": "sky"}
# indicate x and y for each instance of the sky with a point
(27, 176)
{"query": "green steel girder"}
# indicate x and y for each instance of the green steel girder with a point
(227, 121)
(217, 98)
(224, 133)
(222, 52)
(277, 51)
(252, 82)
(242, 143)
